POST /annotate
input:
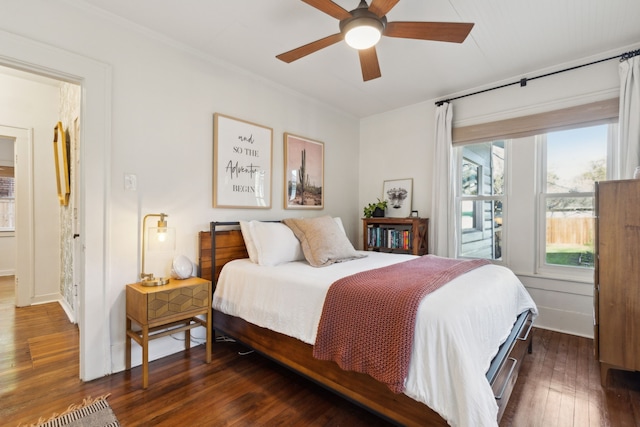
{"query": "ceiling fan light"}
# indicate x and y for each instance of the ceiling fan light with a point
(363, 33)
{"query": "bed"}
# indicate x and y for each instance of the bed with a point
(224, 245)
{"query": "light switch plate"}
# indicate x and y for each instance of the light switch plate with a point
(130, 182)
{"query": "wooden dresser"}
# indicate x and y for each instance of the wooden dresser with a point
(617, 276)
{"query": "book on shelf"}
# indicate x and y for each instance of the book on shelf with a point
(390, 238)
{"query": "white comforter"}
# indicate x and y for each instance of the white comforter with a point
(458, 330)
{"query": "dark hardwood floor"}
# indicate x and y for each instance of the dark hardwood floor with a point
(559, 383)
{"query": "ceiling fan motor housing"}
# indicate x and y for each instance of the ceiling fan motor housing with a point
(361, 17)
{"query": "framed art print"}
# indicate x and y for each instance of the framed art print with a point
(304, 173)
(242, 153)
(398, 195)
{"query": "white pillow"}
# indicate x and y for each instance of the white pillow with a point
(275, 243)
(338, 221)
(245, 228)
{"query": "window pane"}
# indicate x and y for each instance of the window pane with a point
(468, 209)
(7, 203)
(7, 217)
(470, 173)
(497, 168)
(483, 169)
(569, 239)
(484, 239)
(482, 184)
(576, 158)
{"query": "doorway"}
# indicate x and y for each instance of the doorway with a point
(95, 79)
(19, 242)
(51, 109)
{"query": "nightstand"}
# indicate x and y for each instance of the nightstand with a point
(164, 310)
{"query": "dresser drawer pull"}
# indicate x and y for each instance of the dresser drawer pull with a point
(506, 381)
(527, 334)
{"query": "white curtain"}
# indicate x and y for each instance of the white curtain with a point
(442, 209)
(629, 122)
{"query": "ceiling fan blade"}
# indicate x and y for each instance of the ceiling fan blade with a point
(369, 64)
(454, 32)
(330, 8)
(309, 48)
(382, 7)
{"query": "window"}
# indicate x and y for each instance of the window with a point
(571, 162)
(7, 199)
(480, 200)
(551, 181)
(538, 217)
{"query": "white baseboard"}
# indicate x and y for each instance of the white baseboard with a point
(567, 322)
(47, 298)
(10, 272)
(68, 310)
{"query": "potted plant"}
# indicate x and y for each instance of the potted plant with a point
(375, 209)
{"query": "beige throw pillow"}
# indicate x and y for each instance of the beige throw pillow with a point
(323, 242)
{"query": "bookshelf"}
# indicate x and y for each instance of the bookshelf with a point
(396, 235)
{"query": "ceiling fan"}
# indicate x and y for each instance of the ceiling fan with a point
(362, 28)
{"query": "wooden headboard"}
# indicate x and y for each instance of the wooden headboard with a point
(226, 245)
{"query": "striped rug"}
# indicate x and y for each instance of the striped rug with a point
(90, 413)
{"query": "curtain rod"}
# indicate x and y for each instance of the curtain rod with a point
(523, 81)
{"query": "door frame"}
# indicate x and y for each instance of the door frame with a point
(94, 77)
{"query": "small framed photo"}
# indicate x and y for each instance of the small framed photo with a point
(398, 193)
(304, 173)
(414, 214)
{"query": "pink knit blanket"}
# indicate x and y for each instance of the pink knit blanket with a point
(368, 318)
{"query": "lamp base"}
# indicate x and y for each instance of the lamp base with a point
(155, 281)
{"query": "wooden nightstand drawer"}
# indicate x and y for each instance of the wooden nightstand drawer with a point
(176, 301)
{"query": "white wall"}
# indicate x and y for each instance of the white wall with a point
(397, 145)
(400, 144)
(163, 101)
(29, 104)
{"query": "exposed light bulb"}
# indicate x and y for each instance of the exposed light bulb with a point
(363, 37)
(162, 228)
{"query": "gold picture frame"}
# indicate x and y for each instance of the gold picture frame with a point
(61, 157)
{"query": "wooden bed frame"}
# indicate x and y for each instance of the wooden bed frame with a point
(224, 243)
